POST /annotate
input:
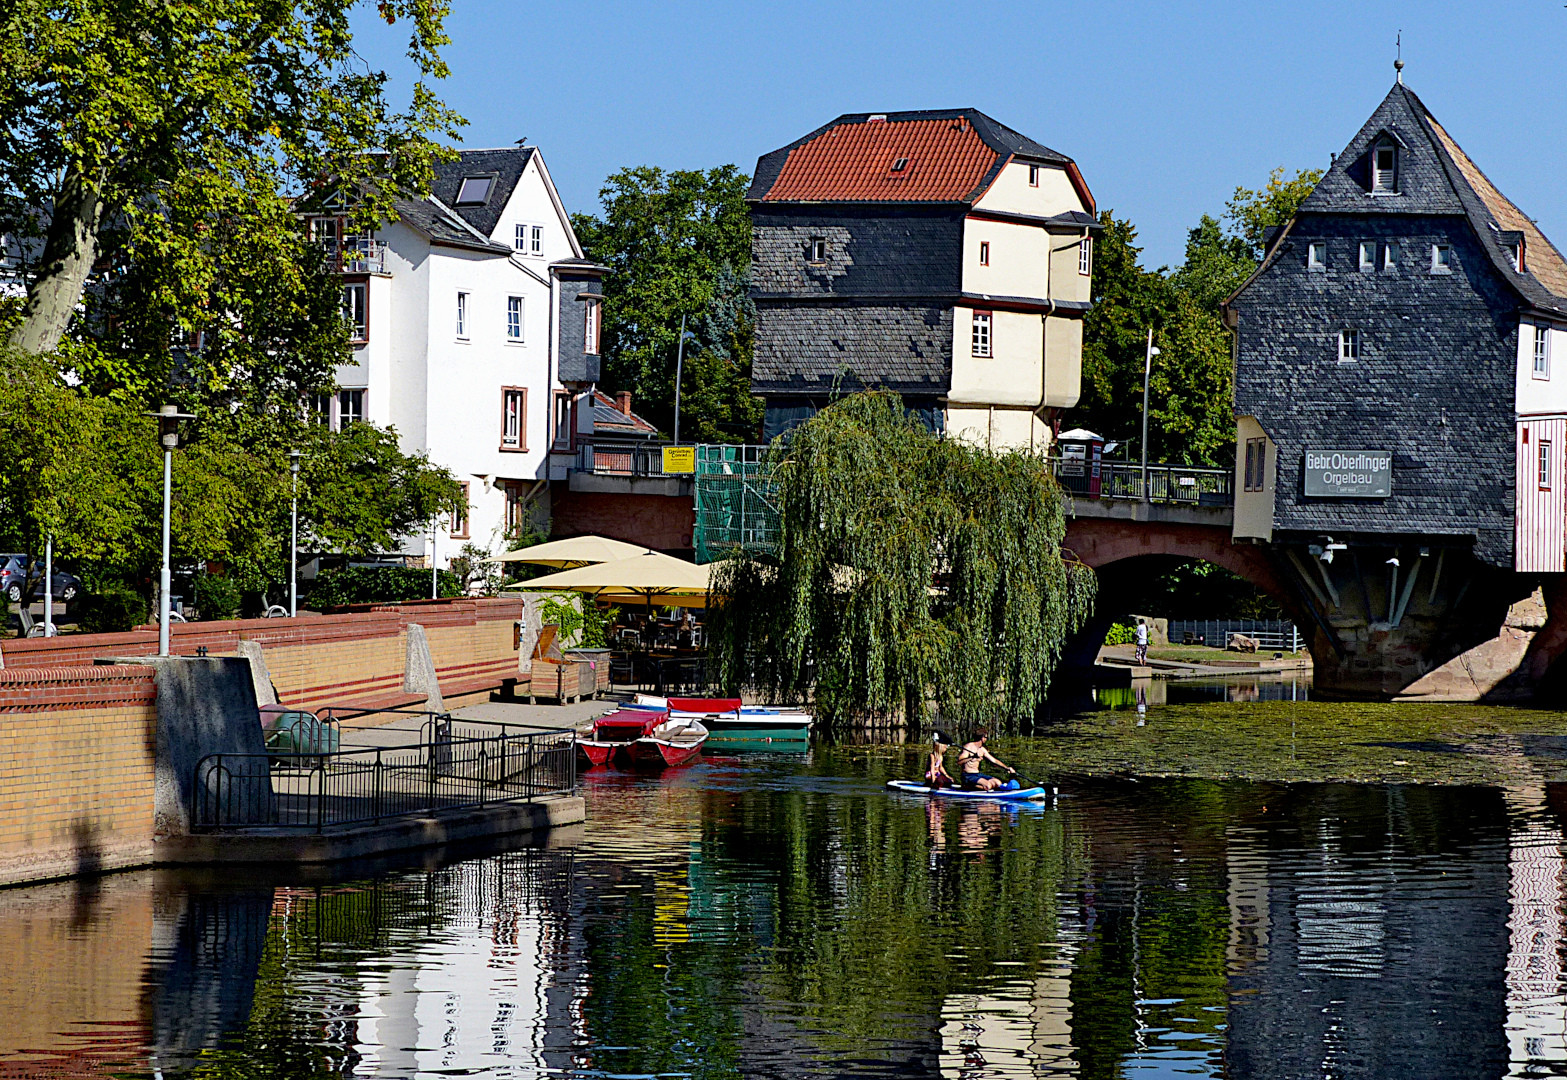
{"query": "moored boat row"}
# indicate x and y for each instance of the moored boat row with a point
(657, 732)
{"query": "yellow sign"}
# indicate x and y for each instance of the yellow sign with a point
(680, 459)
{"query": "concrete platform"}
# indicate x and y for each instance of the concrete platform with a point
(362, 841)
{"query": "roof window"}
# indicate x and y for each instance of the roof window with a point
(1384, 167)
(475, 190)
(901, 164)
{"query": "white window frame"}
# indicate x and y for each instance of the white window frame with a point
(1085, 256)
(983, 341)
(1317, 255)
(459, 516)
(519, 237)
(590, 327)
(1384, 181)
(1033, 176)
(358, 320)
(1438, 266)
(463, 296)
(1392, 252)
(1368, 254)
(817, 251)
(984, 253)
(1543, 464)
(514, 435)
(1541, 368)
(516, 320)
(342, 415)
(536, 240)
(1348, 346)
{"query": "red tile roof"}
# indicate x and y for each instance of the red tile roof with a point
(947, 160)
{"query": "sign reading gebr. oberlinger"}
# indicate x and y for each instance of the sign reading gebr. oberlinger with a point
(1353, 474)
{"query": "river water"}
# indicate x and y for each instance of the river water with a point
(783, 915)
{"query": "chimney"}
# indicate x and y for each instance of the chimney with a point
(623, 401)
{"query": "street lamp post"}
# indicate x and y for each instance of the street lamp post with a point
(680, 359)
(293, 536)
(169, 418)
(1147, 371)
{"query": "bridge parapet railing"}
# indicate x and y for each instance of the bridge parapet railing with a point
(1183, 484)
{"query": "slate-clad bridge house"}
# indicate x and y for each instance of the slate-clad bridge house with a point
(1401, 401)
(938, 254)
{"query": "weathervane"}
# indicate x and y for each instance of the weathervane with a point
(1398, 62)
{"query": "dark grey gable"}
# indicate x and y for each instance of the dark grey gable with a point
(1424, 186)
(505, 166)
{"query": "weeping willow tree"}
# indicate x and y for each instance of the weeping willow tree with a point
(911, 570)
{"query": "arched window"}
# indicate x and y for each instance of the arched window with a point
(1384, 166)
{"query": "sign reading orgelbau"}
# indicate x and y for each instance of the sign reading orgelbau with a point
(1354, 474)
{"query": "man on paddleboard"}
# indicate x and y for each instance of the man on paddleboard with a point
(972, 753)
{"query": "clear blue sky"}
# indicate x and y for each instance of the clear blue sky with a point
(1165, 107)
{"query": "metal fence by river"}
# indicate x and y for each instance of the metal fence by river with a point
(446, 764)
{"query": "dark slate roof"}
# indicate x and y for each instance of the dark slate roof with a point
(816, 348)
(442, 225)
(1436, 178)
(504, 165)
(955, 154)
(609, 420)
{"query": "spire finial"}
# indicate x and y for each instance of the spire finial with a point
(1398, 63)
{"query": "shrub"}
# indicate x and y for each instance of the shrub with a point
(586, 627)
(111, 609)
(378, 585)
(1121, 634)
(217, 597)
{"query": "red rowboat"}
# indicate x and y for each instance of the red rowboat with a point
(613, 734)
(674, 742)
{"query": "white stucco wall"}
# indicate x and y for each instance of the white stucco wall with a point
(1013, 373)
(1536, 396)
(1011, 193)
(1254, 509)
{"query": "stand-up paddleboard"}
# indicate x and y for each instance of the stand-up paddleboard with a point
(1018, 794)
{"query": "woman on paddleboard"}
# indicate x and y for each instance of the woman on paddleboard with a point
(969, 757)
(936, 774)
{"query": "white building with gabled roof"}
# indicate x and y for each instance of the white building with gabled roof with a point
(475, 323)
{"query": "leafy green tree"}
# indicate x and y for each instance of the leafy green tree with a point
(168, 138)
(678, 243)
(1252, 213)
(87, 471)
(910, 568)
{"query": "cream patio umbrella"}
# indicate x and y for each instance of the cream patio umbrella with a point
(572, 552)
(650, 576)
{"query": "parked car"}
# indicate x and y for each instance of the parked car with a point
(65, 585)
(13, 576)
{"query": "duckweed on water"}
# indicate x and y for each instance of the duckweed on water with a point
(1304, 742)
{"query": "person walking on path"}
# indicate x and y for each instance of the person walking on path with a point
(1142, 643)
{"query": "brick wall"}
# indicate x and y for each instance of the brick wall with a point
(76, 770)
(328, 659)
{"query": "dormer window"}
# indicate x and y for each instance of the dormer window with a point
(475, 190)
(1384, 168)
(1512, 243)
(901, 164)
(816, 250)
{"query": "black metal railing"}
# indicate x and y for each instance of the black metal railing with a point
(455, 764)
(623, 459)
(1187, 484)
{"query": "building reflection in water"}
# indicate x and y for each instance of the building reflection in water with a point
(1170, 927)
